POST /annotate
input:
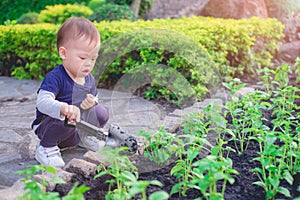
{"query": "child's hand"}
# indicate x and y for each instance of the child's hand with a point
(88, 102)
(71, 112)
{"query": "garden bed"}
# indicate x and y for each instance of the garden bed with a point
(261, 140)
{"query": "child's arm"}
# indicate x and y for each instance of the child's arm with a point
(47, 104)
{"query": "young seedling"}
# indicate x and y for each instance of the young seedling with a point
(273, 168)
(125, 178)
(183, 170)
(160, 146)
(119, 166)
(266, 76)
(207, 172)
(34, 190)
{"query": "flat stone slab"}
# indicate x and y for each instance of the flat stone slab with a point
(11, 87)
(9, 136)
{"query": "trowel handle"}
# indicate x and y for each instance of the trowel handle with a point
(68, 123)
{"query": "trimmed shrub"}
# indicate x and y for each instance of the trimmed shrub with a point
(120, 2)
(12, 10)
(28, 51)
(202, 49)
(95, 4)
(28, 18)
(111, 12)
(57, 14)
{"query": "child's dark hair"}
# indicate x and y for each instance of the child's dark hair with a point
(76, 27)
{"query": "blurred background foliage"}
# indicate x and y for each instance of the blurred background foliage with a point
(57, 11)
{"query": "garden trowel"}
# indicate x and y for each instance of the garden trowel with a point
(115, 137)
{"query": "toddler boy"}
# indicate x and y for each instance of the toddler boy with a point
(69, 91)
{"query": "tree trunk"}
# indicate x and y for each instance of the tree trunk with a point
(135, 6)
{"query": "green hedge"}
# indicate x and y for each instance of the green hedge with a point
(28, 51)
(238, 46)
(197, 47)
(112, 12)
(12, 10)
(59, 13)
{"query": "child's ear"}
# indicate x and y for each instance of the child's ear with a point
(62, 52)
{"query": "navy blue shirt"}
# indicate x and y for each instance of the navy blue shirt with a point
(65, 89)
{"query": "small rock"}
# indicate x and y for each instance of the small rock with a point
(243, 91)
(28, 146)
(86, 168)
(95, 157)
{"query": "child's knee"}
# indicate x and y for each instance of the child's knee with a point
(102, 114)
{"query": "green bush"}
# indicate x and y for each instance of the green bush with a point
(12, 10)
(120, 2)
(201, 49)
(28, 51)
(28, 18)
(95, 4)
(111, 12)
(238, 46)
(144, 6)
(57, 14)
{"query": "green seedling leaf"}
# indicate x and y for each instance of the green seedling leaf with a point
(137, 187)
(176, 188)
(58, 180)
(259, 170)
(284, 191)
(288, 177)
(271, 168)
(274, 181)
(159, 195)
(101, 174)
(219, 175)
(50, 169)
(156, 182)
(259, 183)
(215, 150)
(177, 168)
(270, 194)
(129, 176)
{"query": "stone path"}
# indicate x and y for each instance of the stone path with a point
(18, 142)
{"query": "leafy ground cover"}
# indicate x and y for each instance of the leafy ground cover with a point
(251, 144)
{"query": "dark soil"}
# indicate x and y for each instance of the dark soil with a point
(241, 189)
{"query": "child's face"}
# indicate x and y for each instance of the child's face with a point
(79, 56)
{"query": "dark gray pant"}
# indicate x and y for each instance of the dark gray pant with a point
(53, 132)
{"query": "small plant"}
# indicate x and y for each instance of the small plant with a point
(273, 168)
(34, 188)
(281, 77)
(183, 170)
(119, 168)
(139, 187)
(234, 85)
(266, 76)
(207, 172)
(160, 146)
(125, 178)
